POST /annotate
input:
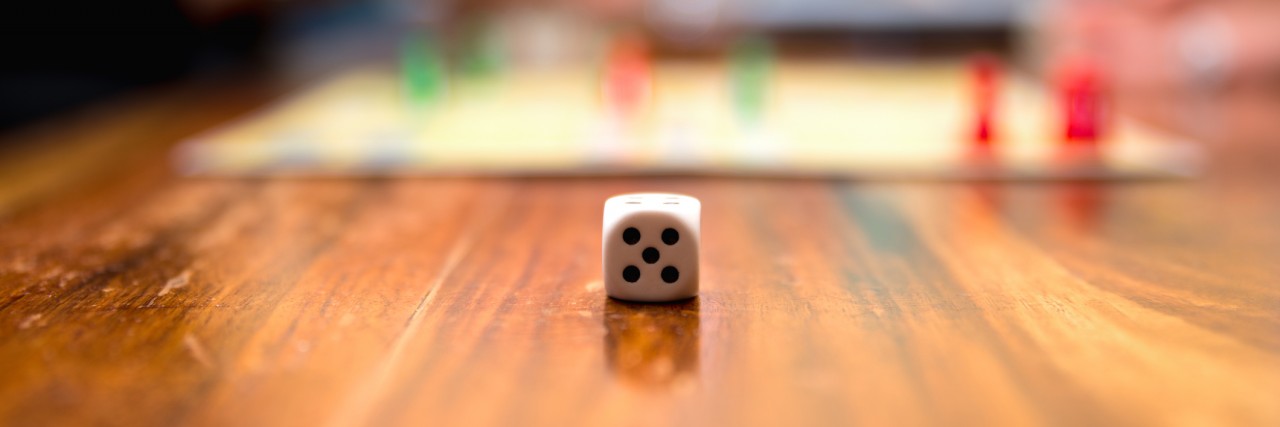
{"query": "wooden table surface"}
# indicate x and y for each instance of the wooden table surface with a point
(129, 296)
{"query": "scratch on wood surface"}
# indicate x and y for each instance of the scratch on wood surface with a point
(53, 272)
(197, 351)
(32, 320)
(176, 282)
(365, 396)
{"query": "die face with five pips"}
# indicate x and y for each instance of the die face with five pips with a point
(650, 243)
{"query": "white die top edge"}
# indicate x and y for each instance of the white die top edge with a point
(654, 200)
(685, 209)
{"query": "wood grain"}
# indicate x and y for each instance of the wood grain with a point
(140, 298)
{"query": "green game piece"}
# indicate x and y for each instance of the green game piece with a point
(751, 63)
(423, 68)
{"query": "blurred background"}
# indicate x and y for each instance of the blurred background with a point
(1213, 55)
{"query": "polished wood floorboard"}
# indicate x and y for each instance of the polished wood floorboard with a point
(139, 298)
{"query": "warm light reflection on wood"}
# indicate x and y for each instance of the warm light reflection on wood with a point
(652, 345)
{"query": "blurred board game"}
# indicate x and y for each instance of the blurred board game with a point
(813, 119)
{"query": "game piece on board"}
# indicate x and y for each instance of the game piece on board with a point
(650, 246)
(1083, 104)
(423, 70)
(750, 67)
(984, 73)
(627, 76)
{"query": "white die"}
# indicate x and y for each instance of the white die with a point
(650, 243)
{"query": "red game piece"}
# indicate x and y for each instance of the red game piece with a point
(985, 74)
(627, 75)
(1083, 103)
